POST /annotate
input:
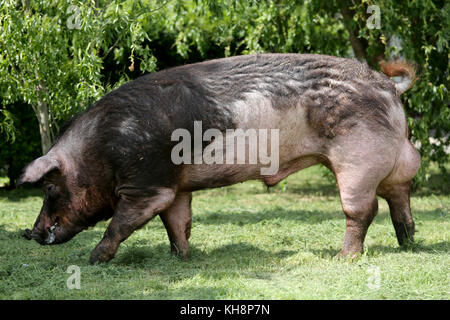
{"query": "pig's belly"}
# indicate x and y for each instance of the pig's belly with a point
(201, 176)
(296, 147)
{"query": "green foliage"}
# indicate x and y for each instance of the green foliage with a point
(7, 125)
(423, 28)
(69, 53)
(246, 26)
(52, 53)
(41, 63)
(24, 147)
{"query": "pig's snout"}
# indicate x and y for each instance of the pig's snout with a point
(45, 236)
(33, 234)
(27, 234)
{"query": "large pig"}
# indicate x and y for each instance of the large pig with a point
(115, 160)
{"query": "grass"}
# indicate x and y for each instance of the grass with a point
(246, 243)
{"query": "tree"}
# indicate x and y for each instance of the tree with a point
(51, 55)
(416, 31)
(17, 152)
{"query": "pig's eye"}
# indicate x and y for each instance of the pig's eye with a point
(50, 189)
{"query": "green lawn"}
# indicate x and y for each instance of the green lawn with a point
(246, 243)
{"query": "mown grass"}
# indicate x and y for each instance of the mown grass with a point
(247, 243)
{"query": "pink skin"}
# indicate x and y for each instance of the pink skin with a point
(365, 163)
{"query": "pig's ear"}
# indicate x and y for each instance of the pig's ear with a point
(36, 170)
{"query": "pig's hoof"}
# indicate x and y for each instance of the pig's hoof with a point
(100, 255)
(405, 233)
(348, 256)
(406, 241)
(181, 254)
(407, 244)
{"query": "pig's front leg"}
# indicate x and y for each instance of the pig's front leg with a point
(130, 214)
(177, 220)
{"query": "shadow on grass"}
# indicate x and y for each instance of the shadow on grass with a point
(435, 215)
(20, 194)
(227, 257)
(141, 256)
(10, 235)
(190, 293)
(246, 217)
(308, 217)
(318, 189)
(437, 184)
(79, 246)
(434, 248)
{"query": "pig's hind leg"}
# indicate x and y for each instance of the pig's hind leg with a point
(396, 190)
(360, 205)
(133, 211)
(358, 177)
(398, 199)
(177, 220)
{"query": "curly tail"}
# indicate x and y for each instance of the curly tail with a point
(400, 68)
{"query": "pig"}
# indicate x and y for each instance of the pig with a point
(114, 160)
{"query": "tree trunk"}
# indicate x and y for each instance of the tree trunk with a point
(43, 117)
(41, 111)
(359, 45)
